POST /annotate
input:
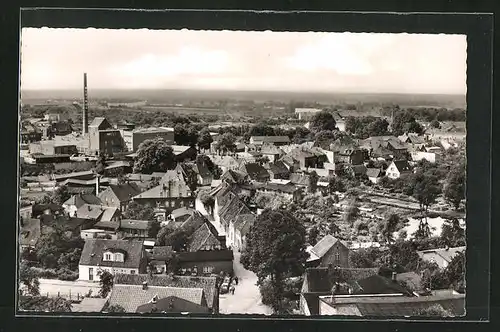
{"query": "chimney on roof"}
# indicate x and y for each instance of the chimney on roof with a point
(97, 184)
(145, 285)
(89, 208)
(394, 275)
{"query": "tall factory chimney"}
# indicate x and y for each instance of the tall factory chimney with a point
(85, 128)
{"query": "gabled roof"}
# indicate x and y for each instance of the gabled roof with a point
(204, 239)
(244, 221)
(91, 211)
(80, 199)
(163, 190)
(130, 297)
(109, 213)
(94, 249)
(194, 222)
(30, 232)
(124, 192)
(256, 171)
(300, 153)
(172, 304)
(278, 167)
(323, 245)
(402, 165)
(373, 172)
(234, 176)
(180, 149)
(446, 253)
(208, 284)
(99, 121)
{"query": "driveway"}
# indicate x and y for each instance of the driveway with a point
(246, 298)
(67, 289)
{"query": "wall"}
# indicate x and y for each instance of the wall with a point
(139, 137)
(304, 309)
(83, 271)
(392, 172)
(110, 141)
(171, 203)
(329, 257)
(218, 266)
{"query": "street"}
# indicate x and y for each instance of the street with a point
(67, 289)
(246, 298)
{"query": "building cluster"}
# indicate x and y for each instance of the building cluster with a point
(213, 212)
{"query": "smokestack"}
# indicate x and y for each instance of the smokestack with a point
(85, 128)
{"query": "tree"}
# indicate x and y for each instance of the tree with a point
(138, 211)
(335, 184)
(100, 165)
(178, 239)
(275, 248)
(185, 134)
(403, 122)
(44, 304)
(435, 124)
(312, 184)
(333, 228)
(322, 121)
(352, 213)
(154, 156)
(60, 195)
(452, 234)
(455, 272)
(261, 129)
(226, 143)
(162, 234)
(425, 188)
(204, 139)
(312, 236)
(29, 279)
(324, 138)
(106, 283)
(388, 227)
(154, 229)
(454, 189)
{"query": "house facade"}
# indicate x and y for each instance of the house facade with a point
(397, 169)
(114, 256)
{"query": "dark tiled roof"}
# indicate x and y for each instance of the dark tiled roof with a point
(125, 191)
(402, 165)
(207, 283)
(194, 222)
(278, 167)
(204, 239)
(161, 253)
(256, 171)
(130, 297)
(81, 199)
(172, 304)
(93, 250)
(323, 279)
(30, 232)
(235, 208)
(377, 284)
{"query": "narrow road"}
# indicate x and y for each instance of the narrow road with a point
(246, 298)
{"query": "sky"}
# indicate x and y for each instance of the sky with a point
(243, 60)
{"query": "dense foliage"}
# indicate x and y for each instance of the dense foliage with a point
(154, 156)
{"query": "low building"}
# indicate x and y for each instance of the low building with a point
(390, 305)
(51, 148)
(98, 213)
(442, 256)
(205, 262)
(134, 138)
(119, 196)
(374, 174)
(288, 191)
(133, 228)
(93, 233)
(398, 168)
(134, 298)
(329, 251)
(114, 256)
(76, 201)
(208, 284)
(350, 156)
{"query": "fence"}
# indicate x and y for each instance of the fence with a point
(69, 295)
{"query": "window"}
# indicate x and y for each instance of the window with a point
(208, 269)
(337, 257)
(119, 257)
(107, 256)
(132, 271)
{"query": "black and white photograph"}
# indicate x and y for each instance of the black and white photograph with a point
(221, 172)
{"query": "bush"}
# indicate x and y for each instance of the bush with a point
(45, 273)
(67, 275)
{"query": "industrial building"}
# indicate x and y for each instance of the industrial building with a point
(133, 138)
(103, 138)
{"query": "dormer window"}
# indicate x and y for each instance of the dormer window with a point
(119, 257)
(108, 256)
